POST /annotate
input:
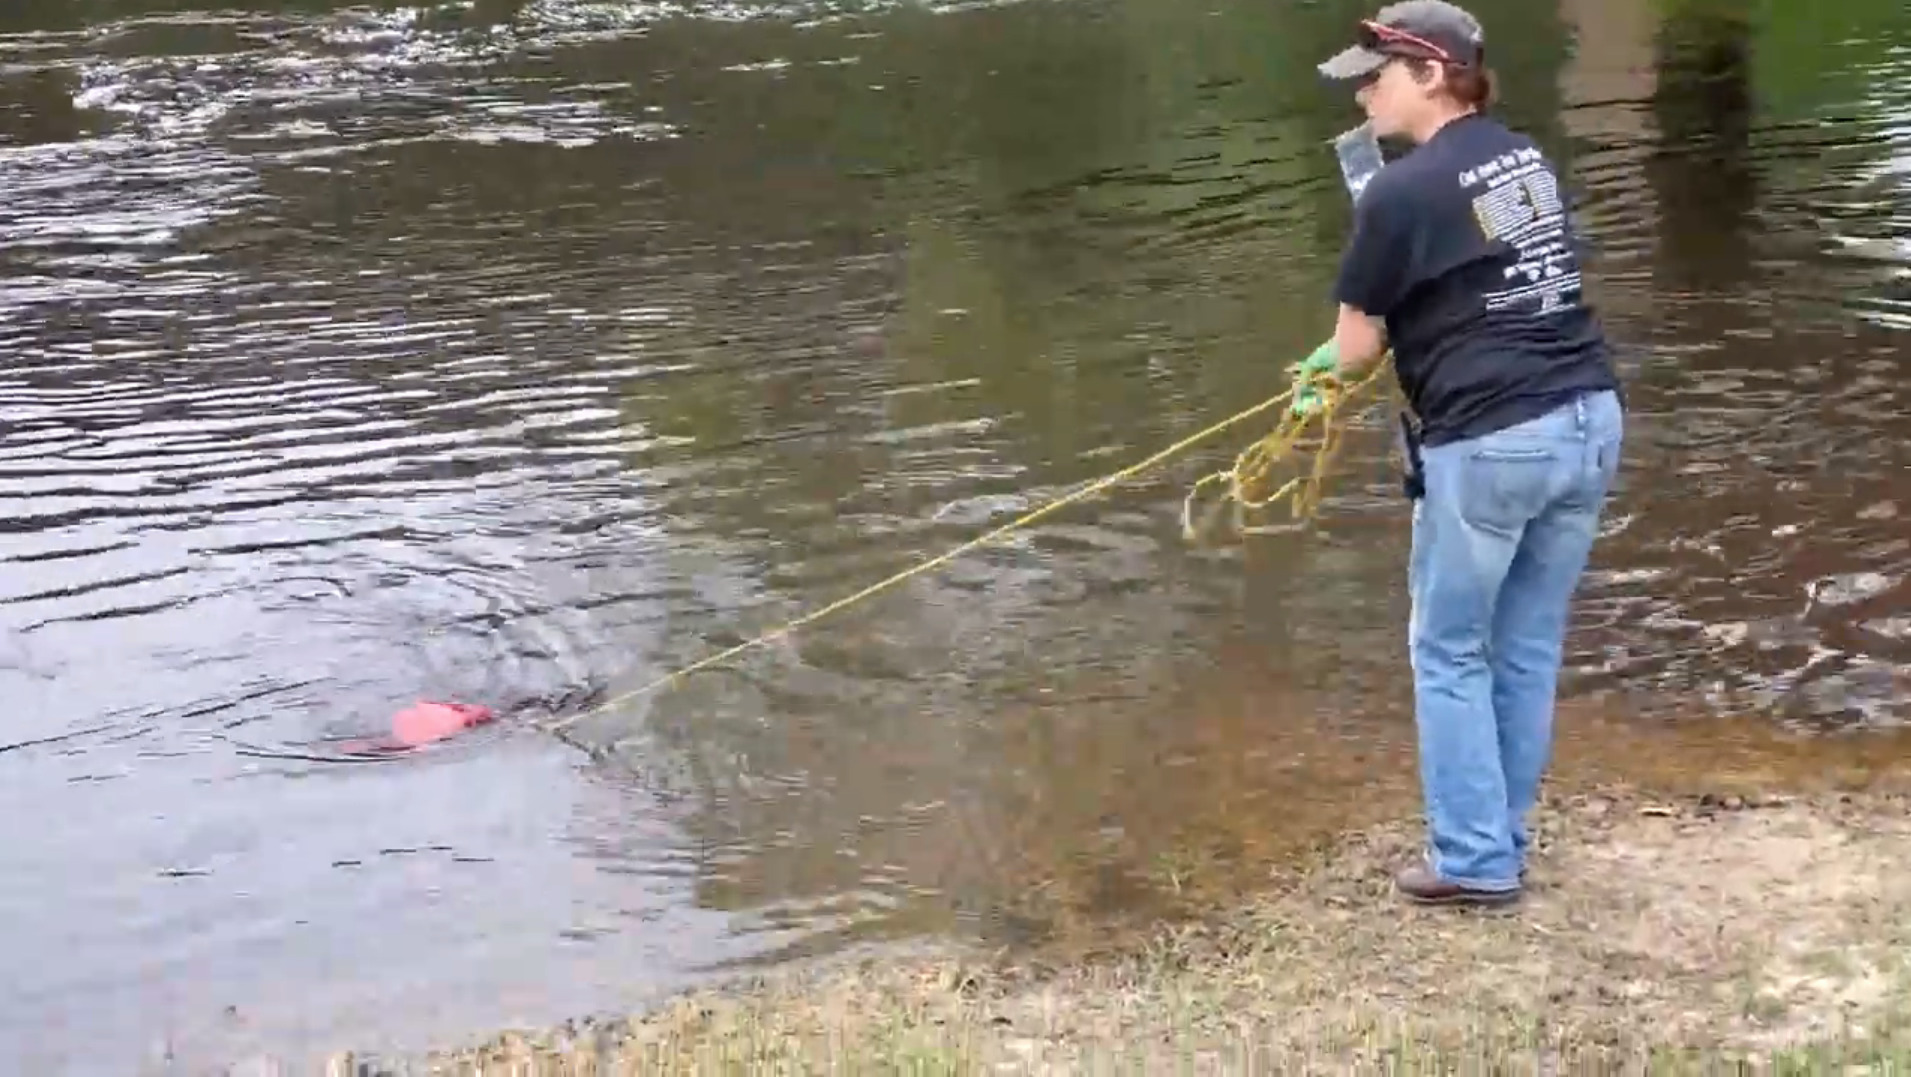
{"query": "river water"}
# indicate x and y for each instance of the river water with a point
(504, 349)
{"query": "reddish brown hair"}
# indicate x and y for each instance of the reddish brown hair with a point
(1471, 86)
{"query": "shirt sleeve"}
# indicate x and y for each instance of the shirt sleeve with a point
(1376, 266)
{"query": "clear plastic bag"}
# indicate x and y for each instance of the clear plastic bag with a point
(1359, 154)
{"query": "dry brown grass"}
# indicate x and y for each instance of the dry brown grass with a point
(1654, 932)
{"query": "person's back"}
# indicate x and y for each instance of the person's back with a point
(1464, 265)
(1464, 242)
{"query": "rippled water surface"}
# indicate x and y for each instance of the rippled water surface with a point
(520, 350)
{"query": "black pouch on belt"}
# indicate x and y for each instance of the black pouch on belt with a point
(1413, 483)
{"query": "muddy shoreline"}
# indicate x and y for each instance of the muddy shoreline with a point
(1659, 925)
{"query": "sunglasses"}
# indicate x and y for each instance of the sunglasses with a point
(1378, 38)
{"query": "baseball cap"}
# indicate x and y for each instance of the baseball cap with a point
(1426, 29)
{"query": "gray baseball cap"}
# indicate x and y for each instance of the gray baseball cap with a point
(1426, 29)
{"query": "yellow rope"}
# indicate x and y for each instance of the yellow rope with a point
(1249, 468)
(1253, 468)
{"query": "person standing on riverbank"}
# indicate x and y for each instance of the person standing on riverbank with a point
(1462, 262)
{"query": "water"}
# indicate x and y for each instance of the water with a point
(357, 355)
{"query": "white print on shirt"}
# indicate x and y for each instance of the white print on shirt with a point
(1521, 207)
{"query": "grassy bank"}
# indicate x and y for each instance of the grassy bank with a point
(1674, 933)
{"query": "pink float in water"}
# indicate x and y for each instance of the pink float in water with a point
(423, 723)
(414, 727)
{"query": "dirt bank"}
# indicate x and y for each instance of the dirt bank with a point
(1775, 929)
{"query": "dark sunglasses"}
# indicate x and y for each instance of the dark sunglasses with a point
(1387, 39)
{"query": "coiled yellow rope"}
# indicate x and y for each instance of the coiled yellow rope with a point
(1253, 470)
(1250, 469)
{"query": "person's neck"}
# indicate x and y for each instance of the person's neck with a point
(1423, 133)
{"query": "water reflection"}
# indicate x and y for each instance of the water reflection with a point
(365, 354)
(1701, 171)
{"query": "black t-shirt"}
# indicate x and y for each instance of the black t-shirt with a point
(1464, 248)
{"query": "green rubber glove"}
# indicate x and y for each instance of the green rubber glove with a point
(1325, 360)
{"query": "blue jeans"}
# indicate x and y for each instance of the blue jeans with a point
(1500, 539)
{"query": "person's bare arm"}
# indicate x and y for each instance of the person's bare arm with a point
(1360, 339)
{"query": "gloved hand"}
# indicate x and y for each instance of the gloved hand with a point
(1323, 363)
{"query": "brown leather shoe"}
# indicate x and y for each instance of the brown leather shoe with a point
(1421, 886)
